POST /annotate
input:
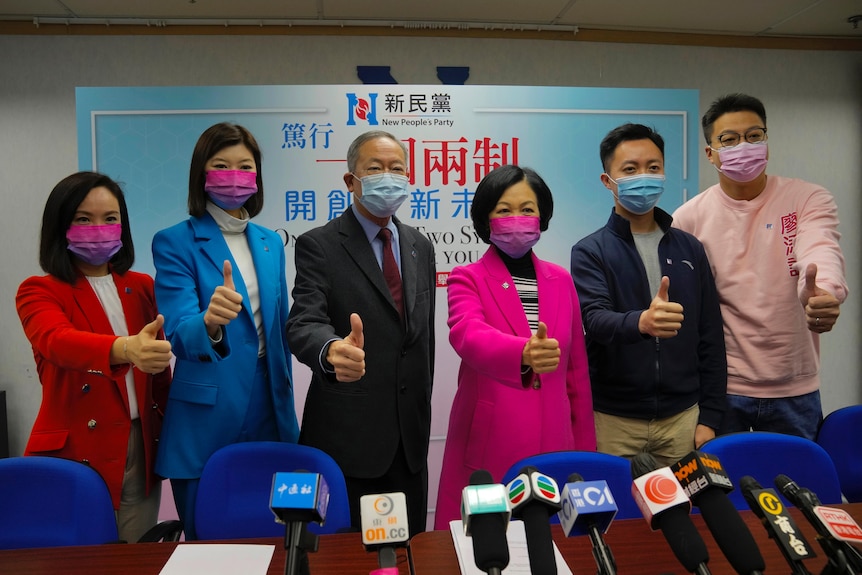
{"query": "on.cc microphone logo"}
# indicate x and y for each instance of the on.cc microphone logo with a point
(660, 489)
(383, 505)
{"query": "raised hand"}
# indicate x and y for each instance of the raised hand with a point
(663, 318)
(225, 303)
(347, 355)
(146, 351)
(541, 353)
(821, 307)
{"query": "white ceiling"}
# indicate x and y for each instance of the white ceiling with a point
(765, 18)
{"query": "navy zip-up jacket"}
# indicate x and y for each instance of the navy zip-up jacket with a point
(633, 374)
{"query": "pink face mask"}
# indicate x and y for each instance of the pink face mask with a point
(229, 189)
(515, 235)
(744, 162)
(95, 244)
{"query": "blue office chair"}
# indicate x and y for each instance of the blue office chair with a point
(592, 466)
(236, 484)
(53, 502)
(839, 436)
(764, 455)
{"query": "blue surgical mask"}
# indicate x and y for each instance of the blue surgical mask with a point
(383, 194)
(640, 193)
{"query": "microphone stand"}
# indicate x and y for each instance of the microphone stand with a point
(298, 541)
(602, 553)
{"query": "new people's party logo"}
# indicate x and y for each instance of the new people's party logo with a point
(362, 109)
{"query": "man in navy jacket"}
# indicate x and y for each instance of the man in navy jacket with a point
(653, 326)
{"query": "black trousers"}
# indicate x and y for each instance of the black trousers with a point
(397, 478)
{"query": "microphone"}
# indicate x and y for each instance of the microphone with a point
(589, 508)
(535, 497)
(384, 523)
(779, 525)
(298, 498)
(843, 558)
(485, 511)
(665, 506)
(706, 483)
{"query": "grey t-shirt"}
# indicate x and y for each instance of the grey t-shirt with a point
(647, 246)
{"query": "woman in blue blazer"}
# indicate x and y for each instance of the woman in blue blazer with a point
(220, 284)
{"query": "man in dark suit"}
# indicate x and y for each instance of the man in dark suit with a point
(363, 321)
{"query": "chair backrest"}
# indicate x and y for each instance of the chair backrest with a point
(592, 466)
(839, 436)
(236, 484)
(53, 502)
(764, 455)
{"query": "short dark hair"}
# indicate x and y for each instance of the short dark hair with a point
(494, 185)
(730, 103)
(63, 202)
(214, 139)
(627, 133)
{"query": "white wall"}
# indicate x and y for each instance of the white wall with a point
(813, 100)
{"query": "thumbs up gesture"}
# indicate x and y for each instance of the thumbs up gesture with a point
(347, 355)
(225, 303)
(541, 353)
(821, 307)
(146, 351)
(663, 318)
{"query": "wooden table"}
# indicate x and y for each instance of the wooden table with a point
(636, 549)
(340, 554)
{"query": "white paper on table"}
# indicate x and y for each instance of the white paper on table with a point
(219, 559)
(519, 559)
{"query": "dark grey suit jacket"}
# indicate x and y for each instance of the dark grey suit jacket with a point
(360, 424)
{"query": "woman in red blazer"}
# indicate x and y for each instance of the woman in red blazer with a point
(96, 335)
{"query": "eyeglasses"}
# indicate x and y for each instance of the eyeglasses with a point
(752, 136)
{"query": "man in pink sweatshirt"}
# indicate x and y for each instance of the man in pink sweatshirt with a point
(773, 245)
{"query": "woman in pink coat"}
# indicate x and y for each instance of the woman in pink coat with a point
(523, 385)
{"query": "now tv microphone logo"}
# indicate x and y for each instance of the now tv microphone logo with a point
(698, 471)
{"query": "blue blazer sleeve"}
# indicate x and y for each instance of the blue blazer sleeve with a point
(184, 284)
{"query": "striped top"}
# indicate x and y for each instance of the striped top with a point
(524, 277)
(528, 291)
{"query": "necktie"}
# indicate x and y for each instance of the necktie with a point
(390, 270)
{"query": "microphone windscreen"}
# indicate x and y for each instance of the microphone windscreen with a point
(782, 482)
(684, 540)
(488, 531)
(490, 546)
(481, 477)
(730, 532)
(643, 463)
(575, 478)
(747, 485)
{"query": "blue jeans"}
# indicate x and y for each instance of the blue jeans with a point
(799, 415)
